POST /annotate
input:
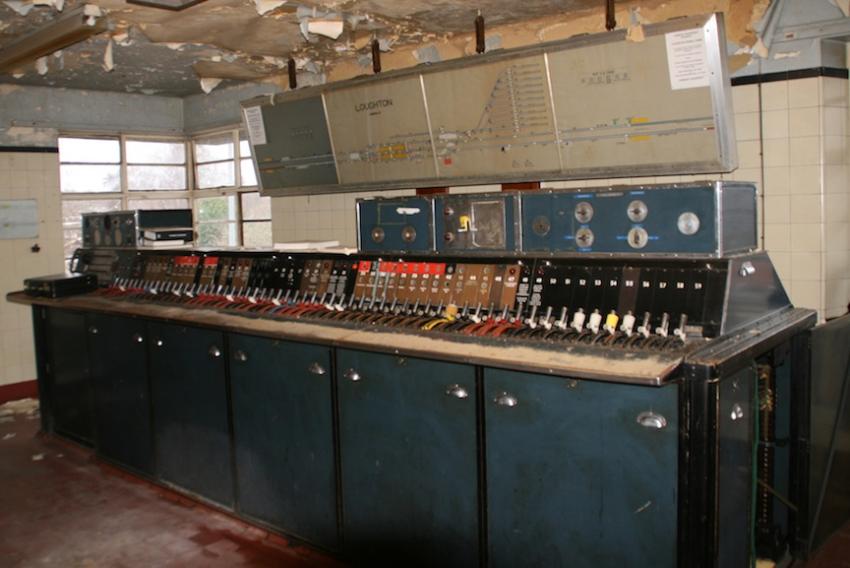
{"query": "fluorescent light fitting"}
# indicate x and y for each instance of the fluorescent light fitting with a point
(73, 27)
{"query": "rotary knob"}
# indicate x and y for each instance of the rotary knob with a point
(378, 235)
(584, 212)
(638, 237)
(688, 223)
(584, 237)
(541, 225)
(408, 234)
(637, 211)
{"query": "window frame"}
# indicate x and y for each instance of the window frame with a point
(191, 194)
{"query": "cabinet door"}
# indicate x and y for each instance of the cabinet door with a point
(574, 478)
(69, 376)
(283, 432)
(408, 458)
(122, 392)
(190, 410)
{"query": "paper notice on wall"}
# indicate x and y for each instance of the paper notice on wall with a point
(18, 219)
(256, 127)
(687, 59)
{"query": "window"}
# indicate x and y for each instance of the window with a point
(217, 179)
(256, 219)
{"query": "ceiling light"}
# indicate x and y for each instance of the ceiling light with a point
(73, 27)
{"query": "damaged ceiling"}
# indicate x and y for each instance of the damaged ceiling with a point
(220, 42)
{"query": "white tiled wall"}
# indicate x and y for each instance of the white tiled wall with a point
(792, 143)
(27, 176)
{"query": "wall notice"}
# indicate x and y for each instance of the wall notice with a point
(256, 127)
(687, 59)
(19, 219)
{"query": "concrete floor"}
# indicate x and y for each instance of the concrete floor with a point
(59, 506)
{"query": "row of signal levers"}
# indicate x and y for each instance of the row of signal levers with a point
(479, 321)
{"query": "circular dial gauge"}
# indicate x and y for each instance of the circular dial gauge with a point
(584, 238)
(638, 237)
(688, 223)
(378, 235)
(637, 211)
(541, 225)
(408, 234)
(584, 212)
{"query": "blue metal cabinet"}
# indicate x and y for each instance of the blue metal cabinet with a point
(283, 433)
(68, 375)
(409, 461)
(123, 431)
(573, 478)
(190, 404)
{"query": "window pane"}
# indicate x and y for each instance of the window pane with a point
(249, 176)
(214, 148)
(72, 210)
(153, 152)
(216, 209)
(217, 235)
(73, 241)
(89, 150)
(89, 179)
(156, 177)
(221, 174)
(256, 207)
(244, 149)
(257, 234)
(158, 203)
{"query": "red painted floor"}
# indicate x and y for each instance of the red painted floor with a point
(59, 506)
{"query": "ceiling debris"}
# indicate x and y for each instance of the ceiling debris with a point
(148, 50)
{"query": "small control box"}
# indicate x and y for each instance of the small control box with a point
(477, 222)
(703, 218)
(60, 285)
(395, 224)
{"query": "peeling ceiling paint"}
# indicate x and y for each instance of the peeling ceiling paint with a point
(163, 52)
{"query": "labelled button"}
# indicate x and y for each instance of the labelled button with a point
(637, 211)
(584, 212)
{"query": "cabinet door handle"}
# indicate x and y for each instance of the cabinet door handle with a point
(649, 419)
(93, 330)
(352, 376)
(316, 369)
(240, 356)
(214, 352)
(137, 337)
(159, 343)
(506, 399)
(457, 391)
